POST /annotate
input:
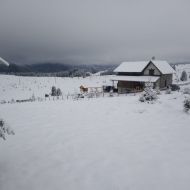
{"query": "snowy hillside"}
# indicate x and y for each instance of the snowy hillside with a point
(89, 144)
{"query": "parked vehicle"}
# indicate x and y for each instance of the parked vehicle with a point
(173, 87)
(108, 88)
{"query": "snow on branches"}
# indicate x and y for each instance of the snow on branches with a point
(5, 128)
(186, 91)
(183, 76)
(186, 105)
(149, 93)
(168, 90)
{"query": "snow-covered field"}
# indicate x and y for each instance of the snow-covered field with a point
(101, 143)
(18, 88)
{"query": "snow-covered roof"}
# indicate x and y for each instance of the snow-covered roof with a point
(2, 61)
(136, 78)
(131, 66)
(163, 66)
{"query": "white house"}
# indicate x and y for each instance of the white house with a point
(133, 75)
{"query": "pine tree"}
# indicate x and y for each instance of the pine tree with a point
(5, 128)
(186, 105)
(149, 93)
(183, 76)
(59, 93)
(53, 91)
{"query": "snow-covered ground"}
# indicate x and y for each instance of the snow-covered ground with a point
(19, 88)
(179, 69)
(101, 143)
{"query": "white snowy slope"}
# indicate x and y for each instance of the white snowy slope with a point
(100, 143)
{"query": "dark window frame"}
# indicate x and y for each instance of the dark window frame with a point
(151, 72)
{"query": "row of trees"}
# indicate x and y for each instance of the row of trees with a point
(71, 73)
(56, 91)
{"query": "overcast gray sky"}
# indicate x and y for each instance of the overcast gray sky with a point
(94, 31)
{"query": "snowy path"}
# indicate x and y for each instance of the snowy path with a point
(98, 144)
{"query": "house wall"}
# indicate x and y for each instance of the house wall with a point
(125, 84)
(167, 78)
(151, 66)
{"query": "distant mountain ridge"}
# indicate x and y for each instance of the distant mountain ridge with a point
(55, 67)
(48, 68)
(37, 68)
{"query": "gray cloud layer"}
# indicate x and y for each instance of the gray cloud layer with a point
(94, 31)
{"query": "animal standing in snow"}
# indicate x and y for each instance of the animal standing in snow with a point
(83, 89)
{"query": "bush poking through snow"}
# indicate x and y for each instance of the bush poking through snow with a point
(186, 91)
(3, 102)
(186, 105)
(157, 90)
(111, 93)
(12, 101)
(91, 94)
(5, 128)
(183, 76)
(59, 93)
(149, 93)
(33, 97)
(168, 90)
(39, 99)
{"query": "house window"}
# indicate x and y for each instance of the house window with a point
(151, 72)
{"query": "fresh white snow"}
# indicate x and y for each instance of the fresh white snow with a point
(137, 66)
(18, 88)
(101, 143)
(163, 66)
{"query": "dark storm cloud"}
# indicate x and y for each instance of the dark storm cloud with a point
(103, 31)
